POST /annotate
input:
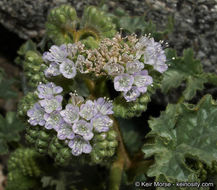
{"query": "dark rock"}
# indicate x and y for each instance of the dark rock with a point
(195, 21)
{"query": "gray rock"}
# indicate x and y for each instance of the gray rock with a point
(195, 21)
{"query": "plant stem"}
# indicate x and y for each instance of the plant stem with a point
(122, 161)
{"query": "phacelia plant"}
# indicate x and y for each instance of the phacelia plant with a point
(85, 81)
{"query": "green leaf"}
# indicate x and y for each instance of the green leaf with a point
(193, 85)
(183, 69)
(139, 24)
(10, 127)
(183, 131)
(6, 91)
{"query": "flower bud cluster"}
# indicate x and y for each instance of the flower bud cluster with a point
(76, 123)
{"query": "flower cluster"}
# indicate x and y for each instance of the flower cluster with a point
(76, 123)
(125, 60)
(134, 82)
(63, 60)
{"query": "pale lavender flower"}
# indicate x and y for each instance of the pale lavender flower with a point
(53, 104)
(152, 52)
(103, 106)
(142, 80)
(52, 70)
(70, 114)
(84, 129)
(123, 82)
(101, 123)
(154, 55)
(113, 69)
(68, 69)
(79, 146)
(88, 110)
(48, 90)
(53, 120)
(132, 94)
(56, 54)
(135, 66)
(36, 115)
(65, 131)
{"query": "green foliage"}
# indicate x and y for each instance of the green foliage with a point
(104, 146)
(10, 127)
(25, 104)
(17, 181)
(95, 19)
(182, 131)
(34, 67)
(6, 91)
(184, 69)
(63, 26)
(25, 160)
(128, 110)
(32, 63)
(140, 25)
(48, 181)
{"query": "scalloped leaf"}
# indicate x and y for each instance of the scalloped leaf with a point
(184, 69)
(182, 131)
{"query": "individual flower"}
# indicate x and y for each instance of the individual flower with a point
(68, 69)
(48, 90)
(53, 104)
(88, 110)
(70, 114)
(52, 70)
(113, 69)
(160, 64)
(142, 80)
(36, 115)
(132, 94)
(123, 82)
(133, 67)
(101, 123)
(103, 106)
(53, 120)
(84, 129)
(78, 146)
(56, 54)
(64, 131)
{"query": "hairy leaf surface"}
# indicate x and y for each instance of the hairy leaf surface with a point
(183, 131)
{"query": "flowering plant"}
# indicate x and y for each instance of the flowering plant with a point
(88, 89)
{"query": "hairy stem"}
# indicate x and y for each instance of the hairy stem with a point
(122, 162)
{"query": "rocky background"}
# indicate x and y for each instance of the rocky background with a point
(195, 21)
